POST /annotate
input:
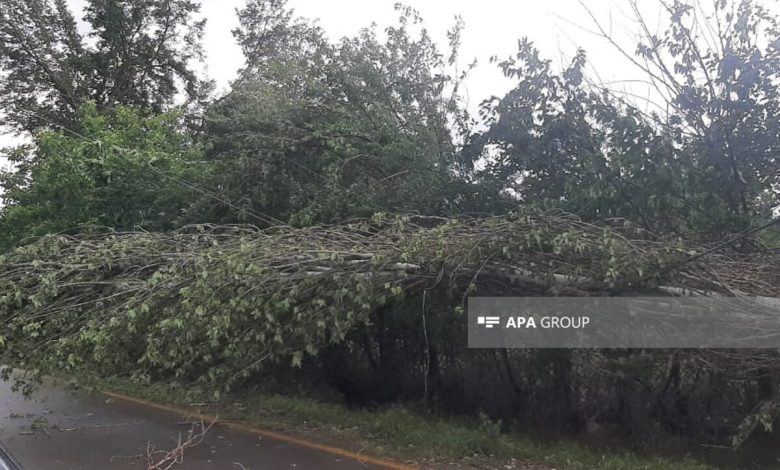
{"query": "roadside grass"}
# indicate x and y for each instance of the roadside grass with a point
(397, 432)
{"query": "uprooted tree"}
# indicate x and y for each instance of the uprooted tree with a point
(220, 307)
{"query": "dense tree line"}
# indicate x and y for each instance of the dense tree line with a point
(318, 131)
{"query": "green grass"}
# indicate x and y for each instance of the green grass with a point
(399, 433)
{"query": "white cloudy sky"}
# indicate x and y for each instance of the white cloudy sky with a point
(492, 28)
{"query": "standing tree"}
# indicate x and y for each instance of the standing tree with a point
(716, 70)
(319, 131)
(136, 52)
(706, 157)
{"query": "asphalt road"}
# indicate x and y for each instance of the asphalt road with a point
(68, 430)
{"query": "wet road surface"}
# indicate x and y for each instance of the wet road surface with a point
(68, 430)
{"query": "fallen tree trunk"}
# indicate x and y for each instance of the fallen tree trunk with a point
(216, 304)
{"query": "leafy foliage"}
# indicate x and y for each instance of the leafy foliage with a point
(314, 131)
(724, 96)
(119, 170)
(216, 304)
(559, 139)
(320, 140)
(135, 53)
(217, 307)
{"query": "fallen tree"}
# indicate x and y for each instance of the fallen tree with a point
(217, 306)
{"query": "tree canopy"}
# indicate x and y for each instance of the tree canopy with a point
(315, 131)
(117, 169)
(136, 53)
(705, 157)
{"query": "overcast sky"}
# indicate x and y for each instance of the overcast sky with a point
(492, 28)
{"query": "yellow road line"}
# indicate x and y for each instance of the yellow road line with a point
(366, 459)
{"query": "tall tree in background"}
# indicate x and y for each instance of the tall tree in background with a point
(705, 157)
(320, 131)
(135, 52)
(716, 68)
(555, 141)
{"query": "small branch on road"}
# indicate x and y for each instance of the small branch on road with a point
(175, 456)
